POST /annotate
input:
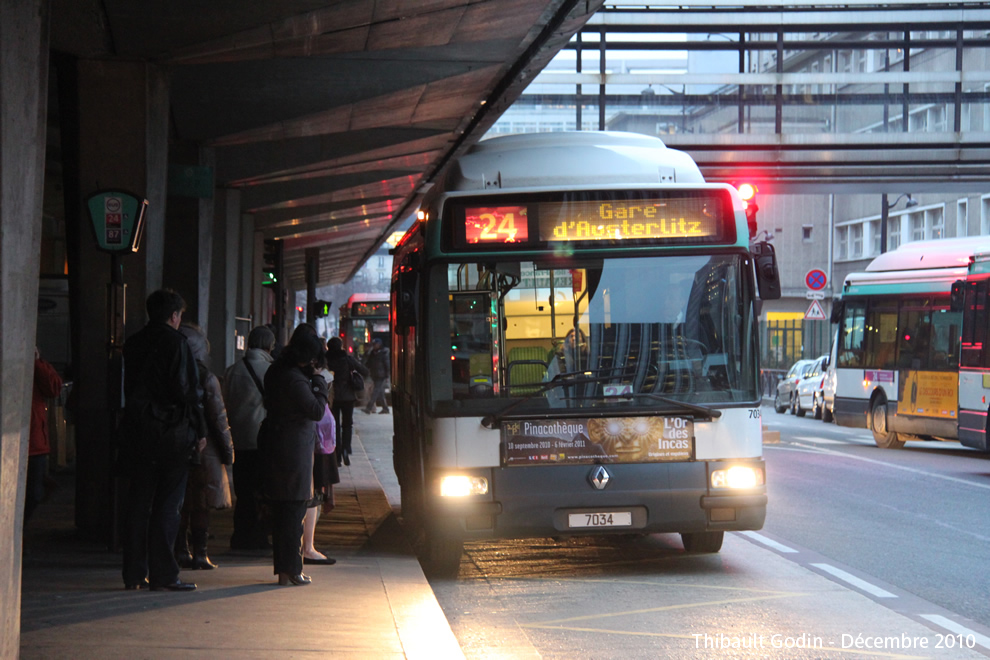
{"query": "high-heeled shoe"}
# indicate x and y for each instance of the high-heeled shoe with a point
(284, 580)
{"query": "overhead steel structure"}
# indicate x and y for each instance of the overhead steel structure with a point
(812, 96)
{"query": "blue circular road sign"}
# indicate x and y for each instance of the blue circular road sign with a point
(816, 279)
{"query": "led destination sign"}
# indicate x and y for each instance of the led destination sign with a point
(684, 217)
(625, 219)
(496, 224)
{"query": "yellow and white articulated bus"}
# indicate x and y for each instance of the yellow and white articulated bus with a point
(575, 344)
(910, 362)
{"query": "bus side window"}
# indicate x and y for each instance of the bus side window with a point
(881, 343)
(851, 349)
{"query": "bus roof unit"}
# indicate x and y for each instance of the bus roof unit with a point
(571, 159)
(938, 253)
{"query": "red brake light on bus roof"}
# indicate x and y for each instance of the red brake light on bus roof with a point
(747, 191)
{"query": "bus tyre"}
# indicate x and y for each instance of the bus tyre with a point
(878, 415)
(778, 405)
(443, 554)
(702, 541)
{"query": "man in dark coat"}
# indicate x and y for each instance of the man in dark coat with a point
(378, 363)
(163, 427)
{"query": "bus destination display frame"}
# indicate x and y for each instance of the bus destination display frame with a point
(590, 218)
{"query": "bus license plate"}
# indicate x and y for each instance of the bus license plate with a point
(601, 519)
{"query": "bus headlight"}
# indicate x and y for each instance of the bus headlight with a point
(459, 485)
(737, 476)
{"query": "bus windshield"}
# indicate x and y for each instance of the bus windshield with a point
(631, 332)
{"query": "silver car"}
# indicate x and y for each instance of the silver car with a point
(809, 390)
(787, 387)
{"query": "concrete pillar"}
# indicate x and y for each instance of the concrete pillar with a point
(249, 272)
(23, 109)
(207, 158)
(153, 245)
(112, 114)
(226, 248)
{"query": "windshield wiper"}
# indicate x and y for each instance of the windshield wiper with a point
(693, 407)
(567, 378)
(582, 377)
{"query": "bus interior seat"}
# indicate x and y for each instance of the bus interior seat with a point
(526, 369)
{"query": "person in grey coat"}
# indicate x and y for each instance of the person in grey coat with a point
(295, 398)
(207, 487)
(243, 390)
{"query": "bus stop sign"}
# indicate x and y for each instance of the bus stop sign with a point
(118, 219)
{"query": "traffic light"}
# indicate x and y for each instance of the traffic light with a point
(322, 308)
(271, 267)
(748, 193)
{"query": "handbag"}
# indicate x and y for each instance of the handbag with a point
(326, 433)
(357, 381)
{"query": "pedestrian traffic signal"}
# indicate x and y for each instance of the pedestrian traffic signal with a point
(271, 266)
(322, 308)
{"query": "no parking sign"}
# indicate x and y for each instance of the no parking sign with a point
(816, 279)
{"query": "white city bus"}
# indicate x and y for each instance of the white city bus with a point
(972, 298)
(576, 349)
(898, 348)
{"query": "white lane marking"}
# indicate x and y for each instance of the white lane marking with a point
(770, 543)
(821, 441)
(933, 475)
(862, 585)
(952, 626)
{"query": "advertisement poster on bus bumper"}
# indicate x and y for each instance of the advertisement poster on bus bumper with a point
(608, 440)
(929, 394)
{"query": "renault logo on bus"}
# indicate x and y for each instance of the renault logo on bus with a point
(599, 477)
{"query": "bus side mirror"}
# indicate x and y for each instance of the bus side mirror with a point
(767, 272)
(957, 297)
(404, 295)
(837, 308)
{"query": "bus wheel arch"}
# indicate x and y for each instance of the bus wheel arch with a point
(884, 438)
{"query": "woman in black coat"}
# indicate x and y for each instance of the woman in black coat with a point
(295, 398)
(344, 396)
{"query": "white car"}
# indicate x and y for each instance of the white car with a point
(787, 386)
(828, 389)
(809, 390)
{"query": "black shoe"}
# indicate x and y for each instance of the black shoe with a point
(326, 561)
(143, 584)
(383, 411)
(347, 458)
(202, 563)
(284, 580)
(366, 411)
(178, 585)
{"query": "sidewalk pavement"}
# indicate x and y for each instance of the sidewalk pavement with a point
(373, 603)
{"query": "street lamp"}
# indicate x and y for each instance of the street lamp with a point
(885, 213)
